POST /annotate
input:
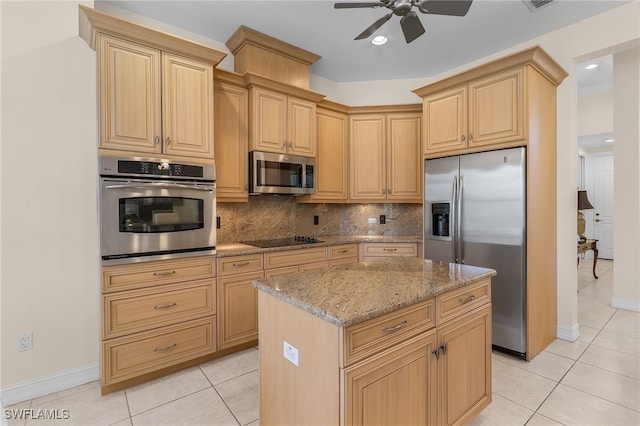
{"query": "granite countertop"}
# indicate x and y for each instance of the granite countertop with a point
(237, 249)
(349, 294)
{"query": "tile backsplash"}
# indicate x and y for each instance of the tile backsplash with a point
(269, 216)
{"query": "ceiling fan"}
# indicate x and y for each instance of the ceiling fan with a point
(409, 21)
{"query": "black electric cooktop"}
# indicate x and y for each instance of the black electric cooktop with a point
(282, 242)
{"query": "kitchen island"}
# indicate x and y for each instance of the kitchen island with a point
(390, 341)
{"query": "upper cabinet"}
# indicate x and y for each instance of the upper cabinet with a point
(386, 155)
(156, 93)
(332, 154)
(487, 107)
(231, 136)
(281, 123)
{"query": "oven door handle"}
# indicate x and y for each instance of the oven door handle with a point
(158, 185)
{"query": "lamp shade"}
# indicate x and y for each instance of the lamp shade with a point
(583, 201)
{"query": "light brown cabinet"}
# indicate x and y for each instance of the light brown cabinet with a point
(237, 299)
(154, 102)
(231, 137)
(505, 103)
(332, 155)
(375, 250)
(281, 123)
(385, 157)
(486, 112)
(343, 254)
(156, 315)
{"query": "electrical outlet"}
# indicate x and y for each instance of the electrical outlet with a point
(373, 221)
(383, 219)
(25, 342)
(316, 219)
(291, 353)
(218, 222)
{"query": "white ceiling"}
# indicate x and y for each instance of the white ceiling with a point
(449, 42)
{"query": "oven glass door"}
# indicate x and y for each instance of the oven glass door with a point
(141, 218)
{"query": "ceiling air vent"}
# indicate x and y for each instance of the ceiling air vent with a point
(535, 5)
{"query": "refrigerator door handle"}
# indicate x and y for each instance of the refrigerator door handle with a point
(454, 200)
(459, 220)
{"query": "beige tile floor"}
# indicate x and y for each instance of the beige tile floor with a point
(593, 381)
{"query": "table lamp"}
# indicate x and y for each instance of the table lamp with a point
(583, 204)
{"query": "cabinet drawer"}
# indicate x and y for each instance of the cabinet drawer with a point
(138, 310)
(372, 336)
(456, 302)
(145, 274)
(343, 251)
(389, 249)
(239, 264)
(131, 356)
(278, 259)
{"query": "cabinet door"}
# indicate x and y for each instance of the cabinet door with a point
(129, 96)
(268, 114)
(404, 158)
(237, 309)
(367, 158)
(445, 120)
(496, 109)
(465, 367)
(396, 387)
(231, 142)
(187, 103)
(332, 165)
(301, 127)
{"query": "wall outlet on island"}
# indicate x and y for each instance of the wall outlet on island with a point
(291, 353)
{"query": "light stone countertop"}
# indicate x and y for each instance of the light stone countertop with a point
(349, 294)
(238, 249)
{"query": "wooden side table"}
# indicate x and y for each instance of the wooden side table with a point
(584, 247)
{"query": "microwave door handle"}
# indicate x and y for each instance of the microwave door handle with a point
(157, 185)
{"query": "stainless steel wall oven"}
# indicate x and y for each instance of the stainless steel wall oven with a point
(154, 207)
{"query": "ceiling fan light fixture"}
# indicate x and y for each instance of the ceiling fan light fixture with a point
(379, 40)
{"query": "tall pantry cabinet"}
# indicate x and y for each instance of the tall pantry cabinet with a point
(507, 103)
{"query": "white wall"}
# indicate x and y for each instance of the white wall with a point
(595, 114)
(50, 265)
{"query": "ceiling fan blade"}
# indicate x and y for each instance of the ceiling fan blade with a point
(411, 26)
(357, 5)
(373, 27)
(445, 7)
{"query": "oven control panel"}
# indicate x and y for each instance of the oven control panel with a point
(142, 167)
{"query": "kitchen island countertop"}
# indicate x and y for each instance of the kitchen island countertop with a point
(349, 294)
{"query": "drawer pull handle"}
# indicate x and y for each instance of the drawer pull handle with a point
(166, 348)
(170, 305)
(390, 249)
(402, 324)
(163, 274)
(343, 251)
(467, 300)
(245, 263)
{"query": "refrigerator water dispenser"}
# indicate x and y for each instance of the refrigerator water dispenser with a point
(440, 219)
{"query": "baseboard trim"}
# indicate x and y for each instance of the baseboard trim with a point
(628, 304)
(570, 334)
(49, 384)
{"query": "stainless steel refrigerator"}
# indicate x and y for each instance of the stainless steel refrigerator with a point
(475, 213)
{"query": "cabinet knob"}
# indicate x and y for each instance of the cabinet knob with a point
(470, 138)
(168, 141)
(156, 140)
(463, 138)
(388, 190)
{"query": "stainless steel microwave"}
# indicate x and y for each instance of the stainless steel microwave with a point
(271, 173)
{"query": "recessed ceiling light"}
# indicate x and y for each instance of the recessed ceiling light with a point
(610, 141)
(591, 66)
(379, 40)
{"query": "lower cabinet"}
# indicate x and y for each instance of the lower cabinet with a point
(156, 315)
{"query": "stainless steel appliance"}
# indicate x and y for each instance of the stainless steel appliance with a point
(153, 207)
(475, 213)
(271, 173)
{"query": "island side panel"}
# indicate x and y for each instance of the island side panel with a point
(305, 394)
